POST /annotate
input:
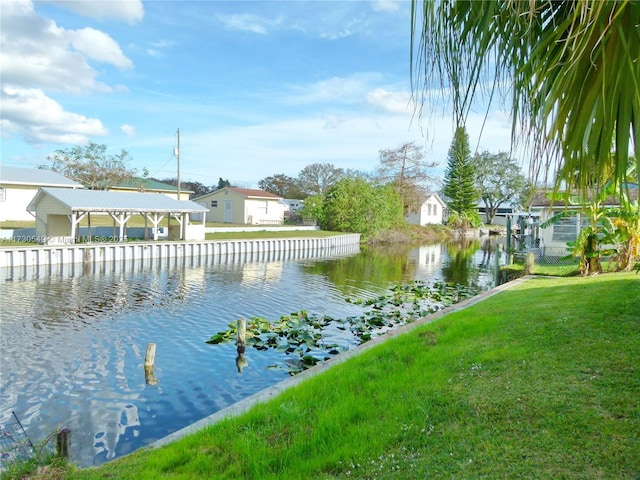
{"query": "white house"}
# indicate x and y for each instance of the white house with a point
(565, 229)
(243, 206)
(18, 186)
(431, 211)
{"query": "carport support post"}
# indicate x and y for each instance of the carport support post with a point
(89, 226)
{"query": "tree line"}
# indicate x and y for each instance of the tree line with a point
(96, 169)
(402, 175)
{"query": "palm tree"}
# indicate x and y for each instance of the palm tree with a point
(571, 68)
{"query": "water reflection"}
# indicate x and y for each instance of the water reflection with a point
(73, 340)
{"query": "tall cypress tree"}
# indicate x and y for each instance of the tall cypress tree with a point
(459, 177)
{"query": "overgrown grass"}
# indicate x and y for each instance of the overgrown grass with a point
(539, 381)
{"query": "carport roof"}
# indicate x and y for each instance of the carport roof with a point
(106, 201)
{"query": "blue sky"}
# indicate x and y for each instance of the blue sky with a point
(256, 88)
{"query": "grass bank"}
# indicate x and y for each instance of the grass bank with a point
(539, 381)
(257, 234)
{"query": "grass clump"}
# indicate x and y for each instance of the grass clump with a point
(539, 381)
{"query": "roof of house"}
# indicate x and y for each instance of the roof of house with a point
(248, 192)
(436, 197)
(35, 176)
(105, 201)
(245, 192)
(541, 199)
(138, 183)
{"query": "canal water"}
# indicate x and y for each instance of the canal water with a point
(73, 340)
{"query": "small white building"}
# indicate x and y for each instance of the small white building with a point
(431, 212)
(18, 186)
(243, 206)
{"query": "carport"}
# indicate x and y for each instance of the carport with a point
(59, 211)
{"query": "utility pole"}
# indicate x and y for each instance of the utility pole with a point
(178, 157)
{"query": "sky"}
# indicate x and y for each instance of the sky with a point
(255, 88)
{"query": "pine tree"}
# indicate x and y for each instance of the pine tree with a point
(459, 180)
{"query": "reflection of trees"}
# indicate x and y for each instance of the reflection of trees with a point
(460, 268)
(379, 265)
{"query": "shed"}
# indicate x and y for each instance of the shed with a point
(18, 186)
(59, 211)
(243, 206)
(431, 211)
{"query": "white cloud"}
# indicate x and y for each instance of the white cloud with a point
(249, 23)
(337, 35)
(344, 89)
(130, 11)
(37, 57)
(99, 46)
(396, 102)
(40, 119)
(37, 53)
(352, 140)
(128, 130)
(385, 5)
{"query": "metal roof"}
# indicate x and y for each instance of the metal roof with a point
(34, 176)
(105, 201)
(137, 183)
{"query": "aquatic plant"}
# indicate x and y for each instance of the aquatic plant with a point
(304, 337)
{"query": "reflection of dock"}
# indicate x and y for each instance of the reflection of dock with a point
(24, 263)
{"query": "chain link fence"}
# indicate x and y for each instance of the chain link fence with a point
(15, 445)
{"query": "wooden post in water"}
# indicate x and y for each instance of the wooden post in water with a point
(63, 443)
(241, 361)
(149, 363)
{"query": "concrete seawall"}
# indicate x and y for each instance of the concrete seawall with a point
(100, 253)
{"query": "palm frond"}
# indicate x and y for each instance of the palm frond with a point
(572, 70)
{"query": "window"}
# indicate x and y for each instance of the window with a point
(566, 229)
(214, 203)
(2, 194)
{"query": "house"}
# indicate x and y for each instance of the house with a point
(294, 205)
(432, 211)
(243, 206)
(59, 211)
(146, 185)
(564, 229)
(500, 217)
(292, 208)
(18, 186)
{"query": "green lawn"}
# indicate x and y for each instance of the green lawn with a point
(539, 381)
